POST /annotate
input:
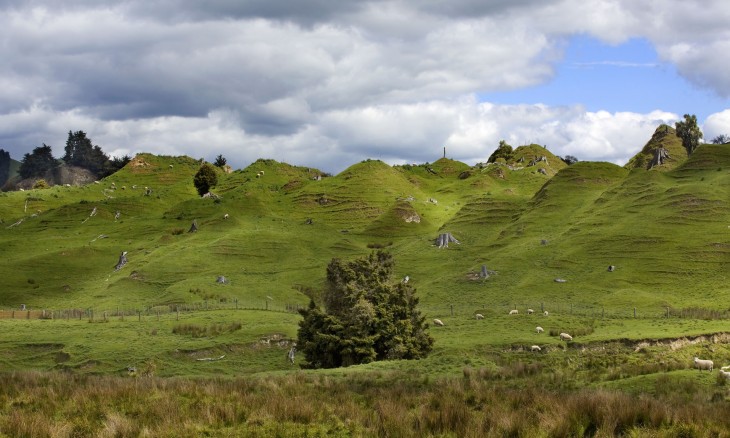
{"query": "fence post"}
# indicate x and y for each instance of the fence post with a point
(236, 300)
(542, 307)
(603, 312)
(28, 315)
(139, 314)
(177, 317)
(452, 310)
(13, 316)
(634, 312)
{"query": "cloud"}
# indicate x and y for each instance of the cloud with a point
(324, 83)
(716, 124)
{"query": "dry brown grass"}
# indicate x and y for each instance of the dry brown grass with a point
(35, 404)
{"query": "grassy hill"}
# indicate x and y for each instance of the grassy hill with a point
(530, 222)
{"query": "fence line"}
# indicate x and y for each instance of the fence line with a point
(93, 314)
(447, 309)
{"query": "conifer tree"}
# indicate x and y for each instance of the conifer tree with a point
(367, 317)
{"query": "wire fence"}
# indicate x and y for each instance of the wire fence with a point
(456, 309)
(573, 309)
(148, 312)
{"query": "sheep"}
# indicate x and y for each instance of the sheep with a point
(725, 374)
(438, 322)
(565, 337)
(225, 216)
(725, 368)
(545, 313)
(514, 312)
(539, 329)
(479, 316)
(535, 348)
(704, 364)
(530, 311)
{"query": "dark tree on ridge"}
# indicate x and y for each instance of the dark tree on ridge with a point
(37, 163)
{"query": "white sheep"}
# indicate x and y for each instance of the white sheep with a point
(725, 374)
(704, 364)
(513, 312)
(530, 311)
(545, 313)
(438, 322)
(565, 337)
(535, 348)
(225, 216)
(539, 329)
(725, 368)
(479, 316)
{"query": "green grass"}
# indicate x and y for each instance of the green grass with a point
(665, 231)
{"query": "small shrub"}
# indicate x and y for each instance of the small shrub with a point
(177, 231)
(41, 184)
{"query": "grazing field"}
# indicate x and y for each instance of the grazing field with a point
(190, 337)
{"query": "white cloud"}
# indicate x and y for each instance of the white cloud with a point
(328, 83)
(716, 124)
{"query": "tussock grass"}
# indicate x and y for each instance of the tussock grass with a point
(65, 406)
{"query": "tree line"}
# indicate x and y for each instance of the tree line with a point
(79, 151)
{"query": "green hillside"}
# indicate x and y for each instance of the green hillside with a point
(271, 229)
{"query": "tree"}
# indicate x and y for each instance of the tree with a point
(220, 161)
(80, 152)
(503, 151)
(4, 166)
(569, 159)
(205, 178)
(114, 164)
(689, 132)
(367, 317)
(37, 163)
(721, 139)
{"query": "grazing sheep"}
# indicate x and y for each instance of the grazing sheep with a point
(565, 337)
(438, 322)
(725, 374)
(704, 364)
(170, 166)
(545, 313)
(225, 216)
(539, 329)
(479, 316)
(725, 368)
(513, 312)
(535, 348)
(530, 311)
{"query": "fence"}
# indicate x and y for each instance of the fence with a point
(447, 309)
(153, 311)
(574, 309)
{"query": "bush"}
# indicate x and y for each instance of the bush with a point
(205, 179)
(41, 184)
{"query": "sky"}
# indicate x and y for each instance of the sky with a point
(329, 83)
